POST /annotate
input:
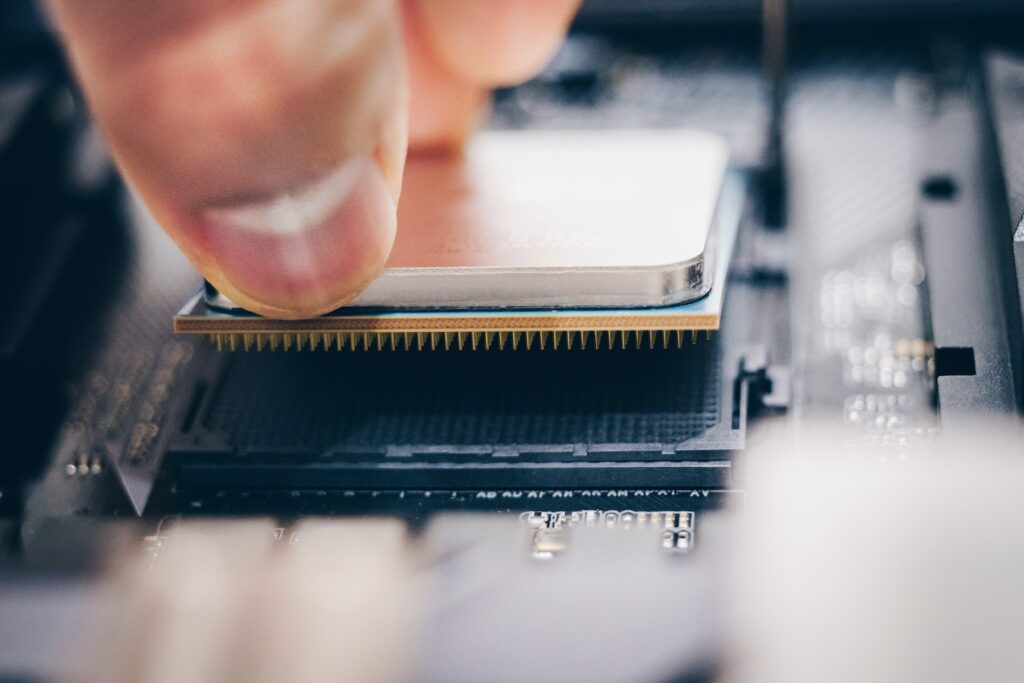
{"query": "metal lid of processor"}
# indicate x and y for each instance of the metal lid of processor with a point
(556, 219)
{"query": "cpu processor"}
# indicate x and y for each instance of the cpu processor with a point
(546, 237)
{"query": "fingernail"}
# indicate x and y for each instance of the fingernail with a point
(308, 250)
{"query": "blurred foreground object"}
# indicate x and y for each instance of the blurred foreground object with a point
(855, 568)
(216, 601)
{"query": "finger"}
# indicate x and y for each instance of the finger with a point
(444, 108)
(266, 136)
(498, 42)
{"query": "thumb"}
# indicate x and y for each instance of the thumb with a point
(266, 136)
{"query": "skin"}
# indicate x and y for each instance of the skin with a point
(268, 137)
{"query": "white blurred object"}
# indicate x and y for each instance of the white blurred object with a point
(852, 570)
(233, 601)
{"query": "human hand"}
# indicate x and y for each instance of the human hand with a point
(268, 137)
